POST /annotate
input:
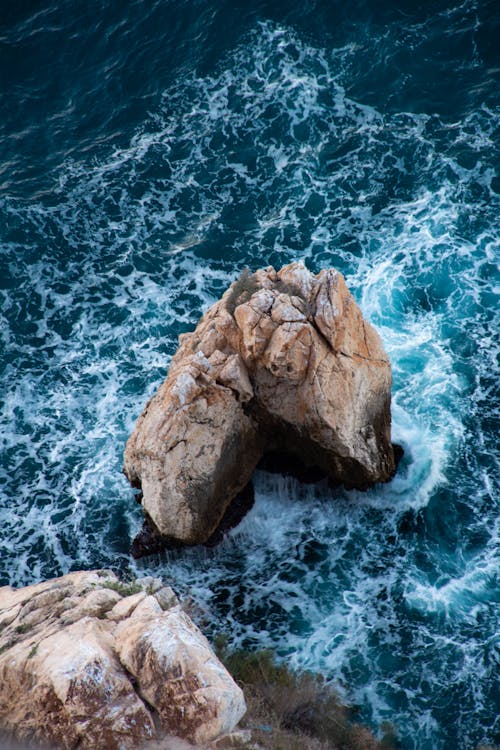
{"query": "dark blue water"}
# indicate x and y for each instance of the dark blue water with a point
(148, 153)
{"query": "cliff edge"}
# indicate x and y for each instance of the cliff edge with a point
(89, 662)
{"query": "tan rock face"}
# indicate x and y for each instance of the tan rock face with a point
(161, 653)
(283, 362)
(90, 663)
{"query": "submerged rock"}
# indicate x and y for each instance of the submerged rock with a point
(89, 662)
(284, 364)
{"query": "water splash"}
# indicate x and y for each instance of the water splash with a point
(268, 160)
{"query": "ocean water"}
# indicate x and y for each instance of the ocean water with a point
(149, 151)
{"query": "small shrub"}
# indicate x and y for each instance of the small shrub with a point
(241, 290)
(33, 651)
(123, 588)
(293, 290)
(6, 646)
(293, 710)
(24, 628)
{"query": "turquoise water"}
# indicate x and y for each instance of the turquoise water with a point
(147, 155)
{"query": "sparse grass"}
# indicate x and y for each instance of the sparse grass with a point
(127, 588)
(295, 711)
(293, 290)
(123, 588)
(24, 628)
(6, 646)
(241, 290)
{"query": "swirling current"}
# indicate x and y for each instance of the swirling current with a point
(149, 152)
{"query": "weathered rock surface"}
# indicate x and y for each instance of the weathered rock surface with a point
(89, 662)
(284, 363)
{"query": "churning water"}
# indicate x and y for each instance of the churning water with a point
(147, 155)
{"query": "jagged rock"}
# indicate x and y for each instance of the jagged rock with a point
(89, 662)
(284, 363)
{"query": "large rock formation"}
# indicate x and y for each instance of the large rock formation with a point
(89, 662)
(283, 363)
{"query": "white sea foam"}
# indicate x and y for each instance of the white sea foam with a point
(268, 160)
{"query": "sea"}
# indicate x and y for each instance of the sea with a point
(152, 150)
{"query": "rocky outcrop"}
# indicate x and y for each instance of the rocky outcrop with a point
(89, 662)
(283, 363)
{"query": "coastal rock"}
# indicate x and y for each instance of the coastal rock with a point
(89, 662)
(283, 363)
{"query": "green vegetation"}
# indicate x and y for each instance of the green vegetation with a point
(124, 588)
(6, 646)
(33, 651)
(127, 588)
(24, 628)
(295, 711)
(241, 290)
(18, 630)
